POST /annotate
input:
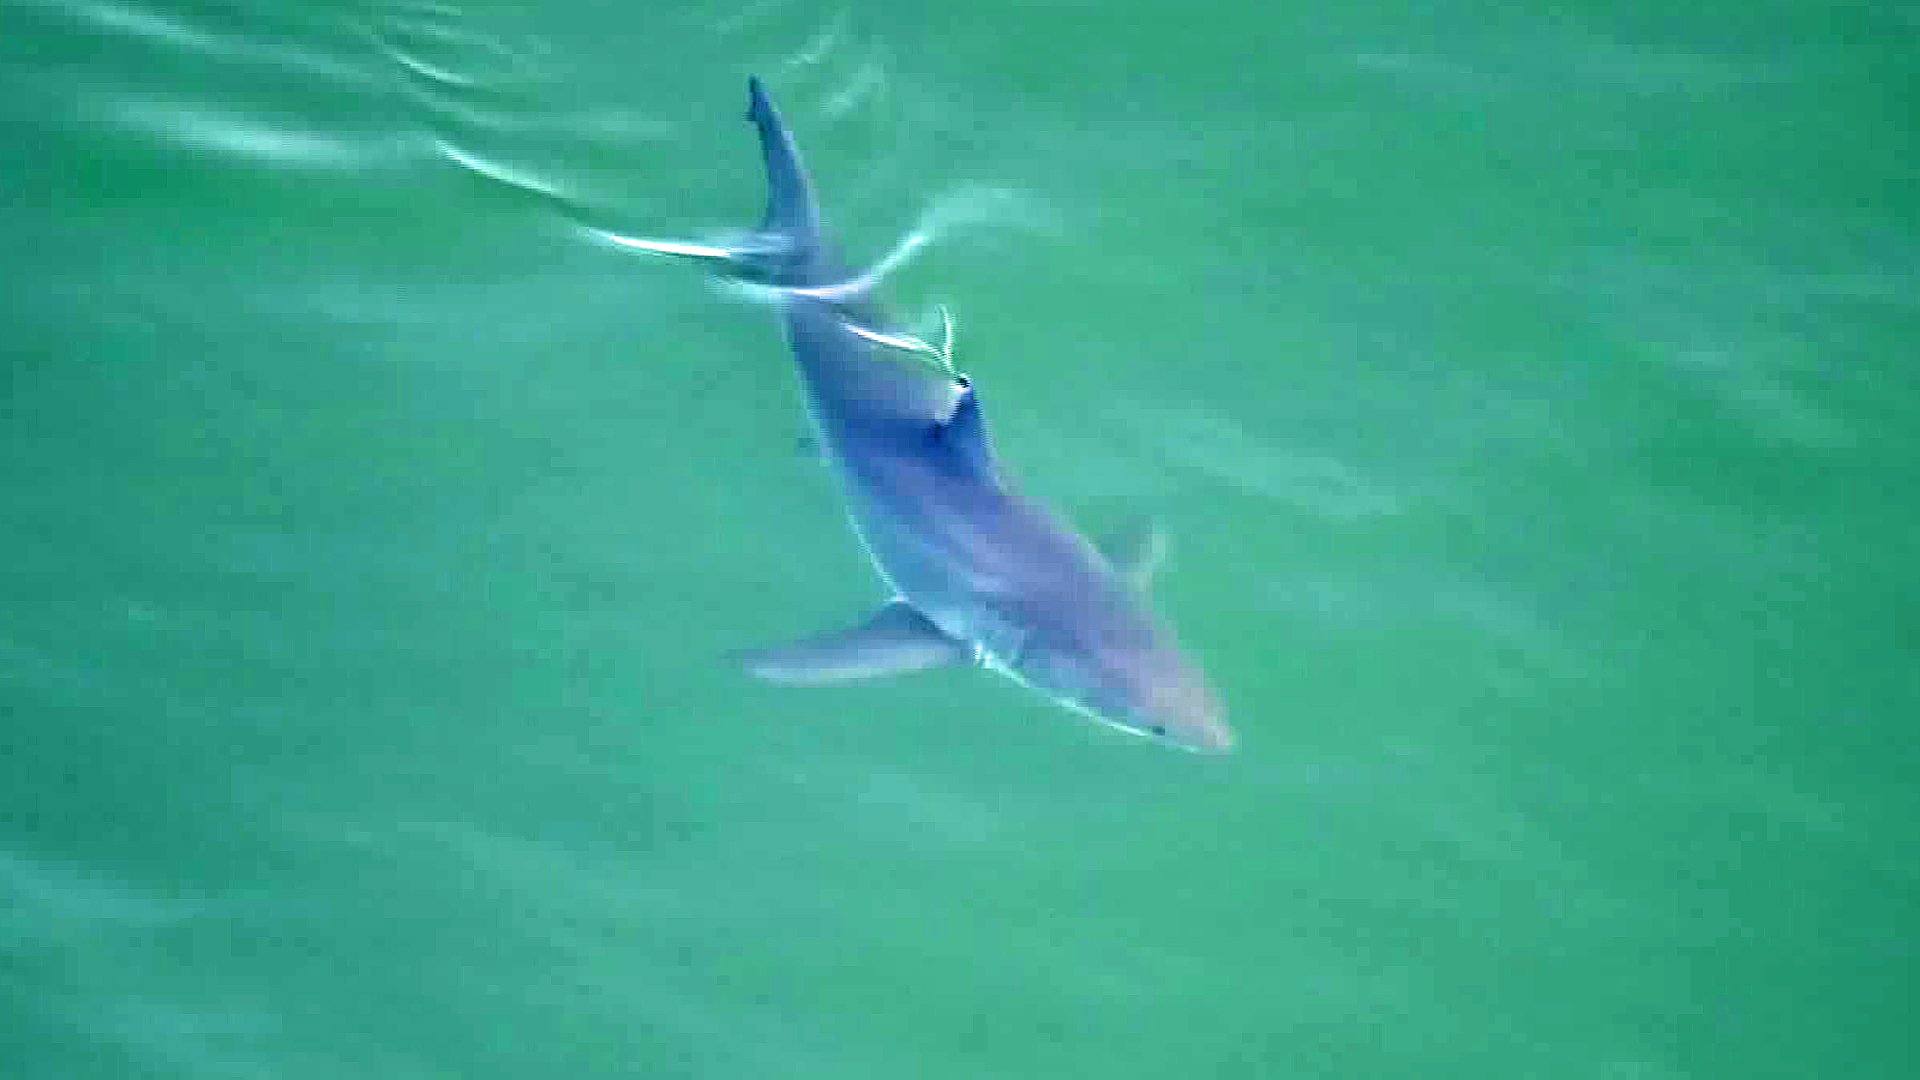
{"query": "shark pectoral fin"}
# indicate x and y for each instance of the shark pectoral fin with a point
(1137, 552)
(896, 639)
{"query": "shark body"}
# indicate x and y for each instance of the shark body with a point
(979, 572)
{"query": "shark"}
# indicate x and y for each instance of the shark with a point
(979, 573)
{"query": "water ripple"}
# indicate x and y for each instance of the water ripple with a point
(1315, 483)
(278, 144)
(265, 49)
(499, 172)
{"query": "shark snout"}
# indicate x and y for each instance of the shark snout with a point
(1174, 703)
(1196, 720)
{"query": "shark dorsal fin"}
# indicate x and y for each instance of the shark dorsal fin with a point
(963, 434)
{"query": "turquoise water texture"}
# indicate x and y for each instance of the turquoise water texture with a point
(1529, 394)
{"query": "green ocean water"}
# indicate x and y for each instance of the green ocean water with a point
(1530, 395)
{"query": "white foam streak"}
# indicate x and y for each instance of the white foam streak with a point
(893, 261)
(494, 171)
(662, 247)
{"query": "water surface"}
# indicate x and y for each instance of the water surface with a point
(1529, 396)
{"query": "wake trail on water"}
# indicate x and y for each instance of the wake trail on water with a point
(947, 216)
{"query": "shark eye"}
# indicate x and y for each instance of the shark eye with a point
(1158, 731)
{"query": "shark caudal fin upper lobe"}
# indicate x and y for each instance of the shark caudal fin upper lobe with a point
(785, 251)
(791, 210)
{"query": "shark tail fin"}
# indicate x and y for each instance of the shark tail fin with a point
(792, 213)
(782, 251)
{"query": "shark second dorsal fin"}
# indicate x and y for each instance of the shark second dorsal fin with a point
(1136, 552)
(895, 639)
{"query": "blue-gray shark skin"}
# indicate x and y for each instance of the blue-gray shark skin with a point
(979, 572)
